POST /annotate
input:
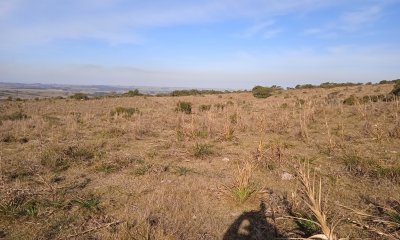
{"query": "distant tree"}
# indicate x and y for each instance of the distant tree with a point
(262, 92)
(80, 96)
(133, 93)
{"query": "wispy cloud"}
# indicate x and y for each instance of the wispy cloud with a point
(271, 33)
(357, 19)
(265, 30)
(123, 21)
(258, 28)
(349, 21)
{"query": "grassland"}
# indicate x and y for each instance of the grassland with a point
(233, 167)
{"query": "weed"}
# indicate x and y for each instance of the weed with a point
(352, 100)
(78, 153)
(91, 203)
(201, 133)
(396, 89)
(31, 209)
(219, 106)
(359, 166)
(243, 187)
(142, 170)
(390, 172)
(241, 194)
(183, 171)
(229, 131)
(234, 118)
(306, 223)
(125, 112)
(106, 168)
(185, 107)
(20, 172)
(54, 159)
(59, 158)
(202, 149)
(14, 116)
(19, 206)
(204, 108)
(79, 96)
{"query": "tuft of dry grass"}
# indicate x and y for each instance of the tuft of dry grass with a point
(243, 187)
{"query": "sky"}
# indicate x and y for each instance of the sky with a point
(233, 44)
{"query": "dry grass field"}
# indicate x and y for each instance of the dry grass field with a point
(294, 165)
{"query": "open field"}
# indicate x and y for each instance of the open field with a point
(135, 168)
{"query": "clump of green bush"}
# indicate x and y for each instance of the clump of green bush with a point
(352, 100)
(262, 92)
(80, 96)
(204, 108)
(125, 112)
(202, 149)
(185, 107)
(132, 93)
(194, 92)
(219, 106)
(396, 89)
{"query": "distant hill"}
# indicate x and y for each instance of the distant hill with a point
(40, 90)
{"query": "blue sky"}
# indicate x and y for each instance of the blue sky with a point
(204, 43)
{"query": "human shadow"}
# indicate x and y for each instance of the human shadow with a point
(252, 225)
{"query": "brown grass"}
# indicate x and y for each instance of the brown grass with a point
(158, 172)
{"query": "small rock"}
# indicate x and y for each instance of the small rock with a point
(235, 214)
(287, 176)
(225, 159)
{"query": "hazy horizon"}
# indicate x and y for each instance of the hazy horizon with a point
(199, 44)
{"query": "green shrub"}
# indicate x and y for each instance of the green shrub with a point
(194, 92)
(80, 96)
(391, 172)
(19, 206)
(306, 223)
(242, 193)
(219, 106)
(131, 93)
(90, 203)
(142, 170)
(262, 92)
(183, 171)
(125, 112)
(352, 100)
(106, 168)
(396, 89)
(202, 149)
(204, 108)
(185, 107)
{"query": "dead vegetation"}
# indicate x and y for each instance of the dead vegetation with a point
(192, 167)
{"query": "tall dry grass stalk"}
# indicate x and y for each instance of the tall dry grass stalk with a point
(244, 174)
(313, 200)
